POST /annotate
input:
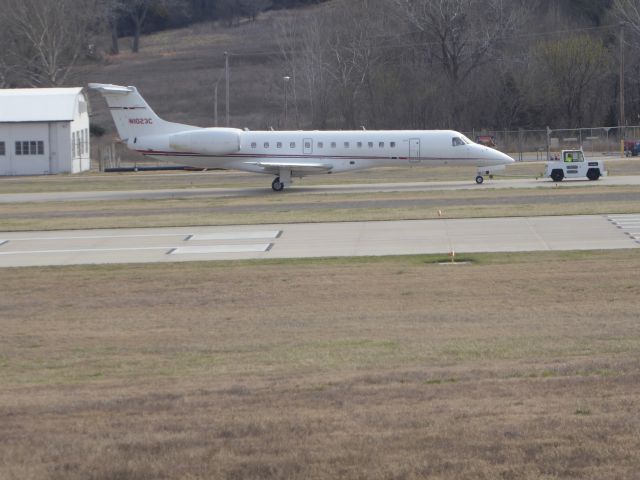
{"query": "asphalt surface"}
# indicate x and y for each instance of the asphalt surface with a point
(627, 180)
(319, 240)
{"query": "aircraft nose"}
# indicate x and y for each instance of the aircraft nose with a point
(498, 157)
(505, 158)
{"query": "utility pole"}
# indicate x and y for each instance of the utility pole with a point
(548, 144)
(286, 79)
(621, 120)
(226, 73)
(215, 100)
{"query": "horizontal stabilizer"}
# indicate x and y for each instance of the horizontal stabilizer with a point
(108, 88)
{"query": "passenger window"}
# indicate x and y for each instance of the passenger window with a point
(346, 144)
(392, 144)
(333, 144)
(307, 144)
(266, 144)
(381, 145)
(253, 145)
(320, 145)
(2, 152)
(370, 144)
(456, 142)
(279, 145)
(359, 144)
(292, 145)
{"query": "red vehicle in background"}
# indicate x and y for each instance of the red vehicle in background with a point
(486, 140)
(631, 148)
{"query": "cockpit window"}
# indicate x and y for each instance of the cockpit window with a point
(460, 140)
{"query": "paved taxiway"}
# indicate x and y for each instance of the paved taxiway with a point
(319, 240)
(300, 187)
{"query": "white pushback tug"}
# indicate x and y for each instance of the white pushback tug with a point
(573, 164)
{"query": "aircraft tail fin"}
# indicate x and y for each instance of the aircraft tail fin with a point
(132, 115)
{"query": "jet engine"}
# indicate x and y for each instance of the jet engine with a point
(211, 141)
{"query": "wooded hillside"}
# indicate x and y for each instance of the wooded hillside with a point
(497, 64)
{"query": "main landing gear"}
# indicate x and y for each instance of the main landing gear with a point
(283, 179)
(277, 185)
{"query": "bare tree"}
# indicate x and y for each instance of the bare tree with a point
(303, 48)
(460, 35)
(628, 11)
(137, 11)
(5, 53)
(48, 37)
(229, 11)
(333, 53)
(252, 8)
(111, 11)
(355, 56)
(571, 74)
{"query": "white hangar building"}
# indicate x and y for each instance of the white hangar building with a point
(43, 131)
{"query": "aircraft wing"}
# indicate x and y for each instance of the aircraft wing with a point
(275, 166)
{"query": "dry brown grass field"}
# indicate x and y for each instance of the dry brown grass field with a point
(297, 205)
(510, 366)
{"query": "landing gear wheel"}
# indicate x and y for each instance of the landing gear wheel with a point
(277, 185)
(479, 179)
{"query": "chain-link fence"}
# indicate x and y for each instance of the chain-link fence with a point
(532, 145)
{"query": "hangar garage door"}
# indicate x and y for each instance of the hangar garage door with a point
(25, 149)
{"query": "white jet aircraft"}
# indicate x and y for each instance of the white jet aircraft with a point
(289, 154)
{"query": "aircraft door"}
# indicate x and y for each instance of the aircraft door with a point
(414, 150)
(307, 146)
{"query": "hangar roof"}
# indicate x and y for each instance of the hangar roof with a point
(38, 104)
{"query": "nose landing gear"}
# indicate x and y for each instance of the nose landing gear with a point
(482, 172)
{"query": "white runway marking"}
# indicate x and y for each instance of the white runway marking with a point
(236, 235)
(629, 224)
(97, 237)
(84, 250)
(220, 249)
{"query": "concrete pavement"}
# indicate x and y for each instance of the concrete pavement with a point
(319, 240)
